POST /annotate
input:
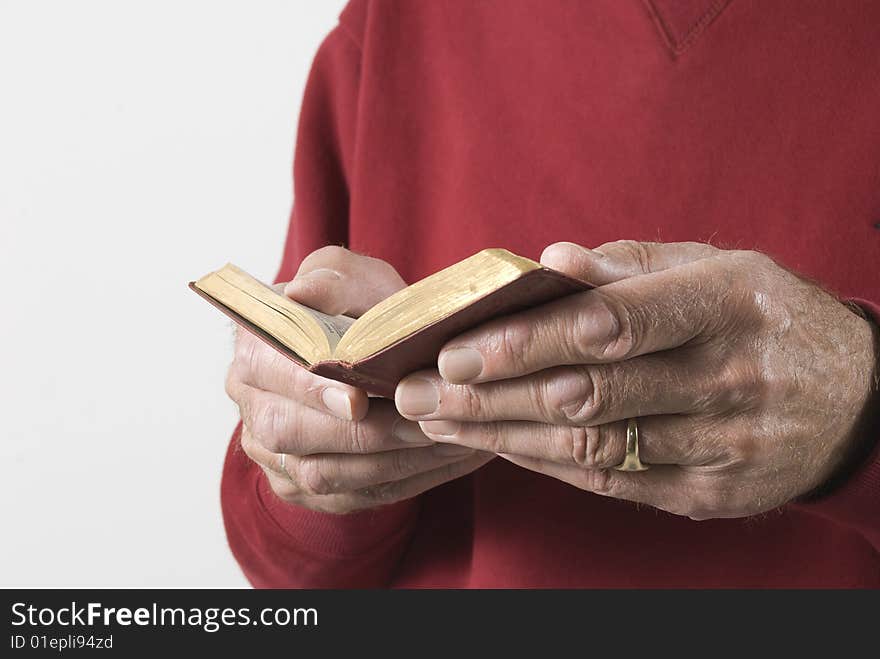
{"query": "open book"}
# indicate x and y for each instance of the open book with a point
(401, 334)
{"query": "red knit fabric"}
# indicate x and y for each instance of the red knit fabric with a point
(430, 130)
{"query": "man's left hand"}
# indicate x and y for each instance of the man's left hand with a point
(747, 381)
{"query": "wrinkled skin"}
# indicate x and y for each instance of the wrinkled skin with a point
(342, 451)
(748, 382)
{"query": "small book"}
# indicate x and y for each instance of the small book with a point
(401, 334)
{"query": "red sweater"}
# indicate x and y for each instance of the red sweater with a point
(430, 130)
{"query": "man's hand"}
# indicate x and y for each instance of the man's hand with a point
(342, 452)
(747, 381)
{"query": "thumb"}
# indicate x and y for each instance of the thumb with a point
(337, 281)
(621, 259)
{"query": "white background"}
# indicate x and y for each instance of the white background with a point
(141, 145)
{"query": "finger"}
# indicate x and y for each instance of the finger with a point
(665, 439)
(284, 485)
(375, 495)
(621, 259)
(570, 395)
(329, 473)
(337, 281)
(415, 485)
(334, 473)
(270, 462)
(281, 425)
(631, 317)
(665, 487)
(287, 487)
(257, 365)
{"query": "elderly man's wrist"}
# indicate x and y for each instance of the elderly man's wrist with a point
(863, 439)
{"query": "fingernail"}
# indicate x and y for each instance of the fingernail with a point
(410, 432)
(319, 273)
(445, 428)
(338, 402)
(585, 250)
(558, 255)
(416, 397)
(448, 450)
(460, 364)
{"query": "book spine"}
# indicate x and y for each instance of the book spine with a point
(358, 376)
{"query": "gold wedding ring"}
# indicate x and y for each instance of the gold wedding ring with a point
(631, 460)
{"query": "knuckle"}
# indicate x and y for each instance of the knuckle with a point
(471, 402)
(770, 384)
(748, 291)
(579, 399)
(620, 329)
(240, 394)
(362, 438)
(577, 445)
(544, 401)
(598, 481)
(600, 449)
(312, 477)
(268, 424)
(740, 384)
(249, 446)
(402, 464)
(232, 383)
(285, 486)
(488, 437)
(244, 398)
(636, 252)
(743, 450)
(750, 257)
(743, 264)
(621, 343)
(703, 249)
(586, 446)
(285, 490)
(512, 342)
(709, 501)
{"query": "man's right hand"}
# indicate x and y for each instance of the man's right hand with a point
(342, 451)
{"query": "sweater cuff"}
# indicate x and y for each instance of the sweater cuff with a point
(321, 535)
(856, 501)
(337, 536)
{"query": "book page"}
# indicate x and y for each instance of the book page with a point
(230, 283)
(334, 327)
(430, 300)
